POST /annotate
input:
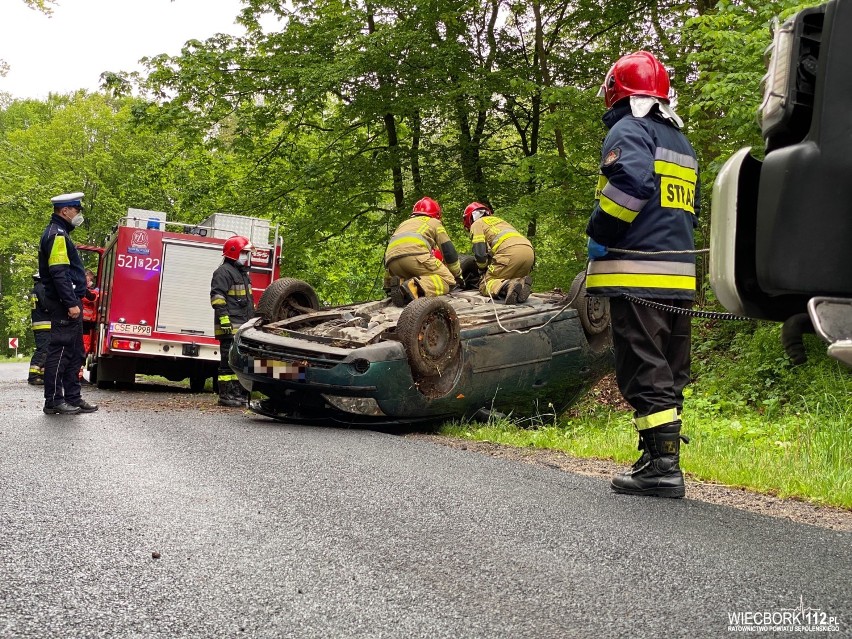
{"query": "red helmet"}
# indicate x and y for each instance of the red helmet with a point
(236, 245)
(637, 73)
(427, 206)
(470, 209)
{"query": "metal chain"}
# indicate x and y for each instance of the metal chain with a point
(684, 311)
(675, 309)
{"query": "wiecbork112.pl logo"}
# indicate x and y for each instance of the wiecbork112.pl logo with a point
(800, 619)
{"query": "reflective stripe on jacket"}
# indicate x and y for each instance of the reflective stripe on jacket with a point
(647, 199)
(418, 235)
(489, 234)
(231, 296)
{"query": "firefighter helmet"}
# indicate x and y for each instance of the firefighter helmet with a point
(637, 73)
(427, 206)
(474, 207)
(236, 245)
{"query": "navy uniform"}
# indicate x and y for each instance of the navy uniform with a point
(233, 305)
(64, 278)
(40, 318)
(647, 200)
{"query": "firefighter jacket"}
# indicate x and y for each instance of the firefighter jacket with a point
(60, 266)
(418, 235)
(231, 297)
(489, 234)
(647, 199)
(39, 312)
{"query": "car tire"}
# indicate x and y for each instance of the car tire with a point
(197, 382)
(593, 311)
(287, 297)
(431, 335)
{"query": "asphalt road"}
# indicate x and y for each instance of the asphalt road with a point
(265, 529)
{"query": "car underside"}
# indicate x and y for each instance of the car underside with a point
(458, 356)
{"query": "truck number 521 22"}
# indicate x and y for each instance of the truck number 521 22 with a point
(138, 261)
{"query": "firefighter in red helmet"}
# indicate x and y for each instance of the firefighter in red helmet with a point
(647, 203)
(413, 269)
(233, 305)
(504, 256)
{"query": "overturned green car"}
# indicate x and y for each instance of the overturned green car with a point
(458, 356)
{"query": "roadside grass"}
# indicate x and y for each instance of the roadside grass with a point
(754, 421)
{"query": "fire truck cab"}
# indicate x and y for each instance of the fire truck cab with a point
(153, 312)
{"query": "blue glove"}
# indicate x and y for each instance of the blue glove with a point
(595, 249)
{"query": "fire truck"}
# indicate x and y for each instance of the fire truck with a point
(153, 311)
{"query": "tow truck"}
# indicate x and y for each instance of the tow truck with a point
(153, 313)
(781, 228)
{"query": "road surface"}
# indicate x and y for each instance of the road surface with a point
(162, 515)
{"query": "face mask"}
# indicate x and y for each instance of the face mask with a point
(77, 220)
(243, 259)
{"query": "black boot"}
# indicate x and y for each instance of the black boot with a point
(657, 472)
(519, 290)
(230, 395)
(503, 292)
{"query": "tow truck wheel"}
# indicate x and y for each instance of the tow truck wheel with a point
(430, 333)
(196, 382)
(287, 297)
(593, 311)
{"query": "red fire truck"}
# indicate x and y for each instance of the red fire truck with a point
(154, 315)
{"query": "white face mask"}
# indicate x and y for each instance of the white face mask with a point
(243, 259)
(77, 220)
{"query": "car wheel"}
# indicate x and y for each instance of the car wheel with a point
(285, 298)
(593, 311)
(430, 333)
(197, 382)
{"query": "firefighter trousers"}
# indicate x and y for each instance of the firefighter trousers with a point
(429, 273)
(42, 340)
(226, 378)
(63, 361)
(509, 263)
(652, 358)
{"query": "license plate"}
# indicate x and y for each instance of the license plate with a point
(131, 329)
(276, 369)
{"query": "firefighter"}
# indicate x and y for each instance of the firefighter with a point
(90, 315)
(40, 316)
(647, 200)
(233, 305)
(503, 256)
(64, 279)
(409, 259)
(90, 311)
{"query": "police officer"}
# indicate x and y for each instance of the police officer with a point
(233, 305)
(504, 256)
(646, 201)
(64, 278)
(409, 256)
(40, 316)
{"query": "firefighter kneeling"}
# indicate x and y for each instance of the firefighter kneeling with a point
(413, 270)
(233, 305)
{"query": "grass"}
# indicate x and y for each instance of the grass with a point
(754, 421)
